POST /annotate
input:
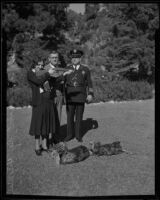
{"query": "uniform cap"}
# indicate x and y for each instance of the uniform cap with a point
(75, 53)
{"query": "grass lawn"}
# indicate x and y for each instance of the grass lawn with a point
(131, 123)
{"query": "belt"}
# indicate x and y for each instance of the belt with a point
(77, 85)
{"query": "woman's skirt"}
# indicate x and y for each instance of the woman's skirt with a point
(43, 119)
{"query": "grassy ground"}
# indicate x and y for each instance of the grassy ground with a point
(131, 123)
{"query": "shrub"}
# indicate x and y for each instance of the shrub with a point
(122, 90)
(103, 90)
(19, 96)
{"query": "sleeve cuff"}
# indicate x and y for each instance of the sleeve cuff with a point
(90, 91)
(47, 75)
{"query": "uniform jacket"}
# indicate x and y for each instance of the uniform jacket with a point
(35, 83)
(78, 84)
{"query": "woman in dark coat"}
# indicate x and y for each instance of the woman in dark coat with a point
(43, 115)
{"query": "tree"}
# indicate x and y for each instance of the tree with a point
(120, 34)
(33, 28)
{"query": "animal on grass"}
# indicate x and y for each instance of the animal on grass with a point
(68, 156)
(62, 155)
(105, 149)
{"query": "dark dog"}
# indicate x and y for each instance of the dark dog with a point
(62, 155)
(66, 156)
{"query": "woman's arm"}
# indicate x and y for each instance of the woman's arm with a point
(31, 76)
(62, 78)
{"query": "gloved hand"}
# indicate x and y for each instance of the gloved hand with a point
(67, 72)
(89, 98)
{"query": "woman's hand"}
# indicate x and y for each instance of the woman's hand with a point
(51, 71)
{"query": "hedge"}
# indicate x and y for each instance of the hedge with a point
(122, 90)
(103, 91)
(19, 96)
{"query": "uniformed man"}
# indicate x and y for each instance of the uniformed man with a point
(78, 91)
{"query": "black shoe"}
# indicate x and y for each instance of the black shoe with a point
(38, 152)
(68, 138)
(50, 146)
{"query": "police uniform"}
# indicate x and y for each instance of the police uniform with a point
(78, 85)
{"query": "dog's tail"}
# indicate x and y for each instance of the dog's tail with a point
(90, 152)
(127, 152)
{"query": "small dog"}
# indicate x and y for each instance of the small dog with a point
(106, 149)
(62, 155)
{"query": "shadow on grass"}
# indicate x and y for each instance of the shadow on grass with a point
(87, 125)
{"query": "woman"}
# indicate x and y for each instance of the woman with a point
(43, 115)
(43, 119)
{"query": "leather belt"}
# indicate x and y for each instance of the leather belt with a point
(75, 85)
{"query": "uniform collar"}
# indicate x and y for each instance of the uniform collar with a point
(76, 67)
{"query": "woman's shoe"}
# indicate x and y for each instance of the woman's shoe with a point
(80, 140)
(38, 152)
(46, 150)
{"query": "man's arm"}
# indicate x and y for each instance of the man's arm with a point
(89, 84)
(62, 78)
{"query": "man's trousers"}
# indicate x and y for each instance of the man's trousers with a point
(74, 120)
(59, 102)
(58, 111)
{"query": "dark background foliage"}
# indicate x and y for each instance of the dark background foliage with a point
(112, 37)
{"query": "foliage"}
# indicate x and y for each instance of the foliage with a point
(103, 91)
(122, 90)
(33, 28)
(112, 37)
(109, 34)
(119, 34)
(20, 77)
(19, 96)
